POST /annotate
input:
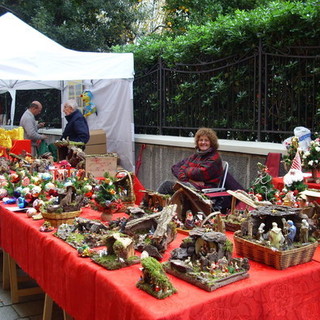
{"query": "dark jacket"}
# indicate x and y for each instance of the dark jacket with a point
(201, 166)
(77, 128)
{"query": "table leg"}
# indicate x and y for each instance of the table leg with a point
(16, 293)
(66, 316)
(47, 308)
(5, 271)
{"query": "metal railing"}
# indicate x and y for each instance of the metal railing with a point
(261, 96)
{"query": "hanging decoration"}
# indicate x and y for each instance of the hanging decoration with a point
(89, 107)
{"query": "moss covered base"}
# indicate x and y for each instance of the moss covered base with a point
(112, 262)
(150, 289)
(205, 280)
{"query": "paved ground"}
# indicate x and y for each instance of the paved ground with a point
(28, 308)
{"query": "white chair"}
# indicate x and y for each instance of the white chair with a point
(221, 187)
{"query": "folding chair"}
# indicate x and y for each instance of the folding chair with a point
(221, 187)
(218, 195)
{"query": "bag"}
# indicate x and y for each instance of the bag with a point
(43, 148)
(54, 151)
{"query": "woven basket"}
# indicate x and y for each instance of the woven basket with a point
(277, 259)
(56, 219)
(129, 199)
(232, 226)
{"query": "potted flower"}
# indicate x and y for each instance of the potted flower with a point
(106, 198)
(311, 159)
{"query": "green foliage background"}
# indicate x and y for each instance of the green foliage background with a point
(282, 27)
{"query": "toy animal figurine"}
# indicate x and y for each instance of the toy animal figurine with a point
(89, 107)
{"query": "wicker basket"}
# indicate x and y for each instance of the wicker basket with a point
(232, 226)
(126, 182)
(277, 259)
(56, 219)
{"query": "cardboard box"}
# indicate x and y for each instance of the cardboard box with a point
(97, 143)
(97, 165)
(96, 149)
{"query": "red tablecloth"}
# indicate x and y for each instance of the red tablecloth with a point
(278, 184)
(88, 291)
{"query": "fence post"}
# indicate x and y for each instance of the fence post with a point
(161, 93)
(259, 90)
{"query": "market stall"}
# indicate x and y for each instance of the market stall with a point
(29, 60)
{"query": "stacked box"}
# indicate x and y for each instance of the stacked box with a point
(97, 143)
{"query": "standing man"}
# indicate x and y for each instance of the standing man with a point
(30, 126)
(77, 128)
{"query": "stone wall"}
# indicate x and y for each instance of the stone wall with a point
(156, 162)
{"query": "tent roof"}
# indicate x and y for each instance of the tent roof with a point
(27, 54)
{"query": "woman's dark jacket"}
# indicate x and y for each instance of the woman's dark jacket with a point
(77, 128)
(202, 166)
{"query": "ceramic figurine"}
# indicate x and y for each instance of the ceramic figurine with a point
(261, 231)
(189, 222)
(292, 230)
(304, 231)
(276, 237)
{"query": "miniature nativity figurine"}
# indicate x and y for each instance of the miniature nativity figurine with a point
(291, 232)
(304, 231)
(276, 237)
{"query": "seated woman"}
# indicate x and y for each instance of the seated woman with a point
(201, 170)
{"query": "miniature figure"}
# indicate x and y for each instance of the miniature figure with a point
(276, 237)
(189, 222)
(261, 232)
(46, 227)
(292, 230)
(304, 231)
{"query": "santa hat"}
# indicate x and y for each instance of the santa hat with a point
(296, 162)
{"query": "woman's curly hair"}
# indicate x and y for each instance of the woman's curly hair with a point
(212, 136)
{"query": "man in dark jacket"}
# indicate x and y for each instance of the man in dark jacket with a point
(77, 128)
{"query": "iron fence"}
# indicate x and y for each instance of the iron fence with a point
(261, 96)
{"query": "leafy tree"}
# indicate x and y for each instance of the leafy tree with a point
(91, 25)
(182, 13)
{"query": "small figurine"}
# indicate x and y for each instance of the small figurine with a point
(304, 231)
(261, 231)
(292, 230)
(189, 222)
(276, 237)
(46, 227)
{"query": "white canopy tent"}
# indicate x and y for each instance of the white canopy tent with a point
(29, 60)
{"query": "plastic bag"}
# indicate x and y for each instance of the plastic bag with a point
(43, 148)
